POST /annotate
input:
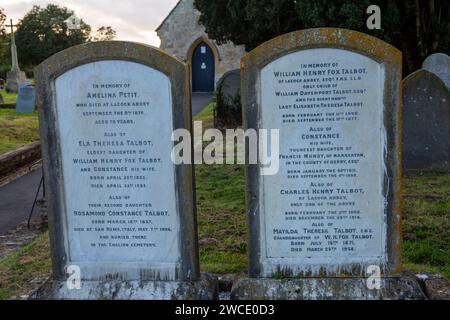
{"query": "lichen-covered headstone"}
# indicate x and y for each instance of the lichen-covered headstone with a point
(439, 64)
(121, 213)
(327, 225)
(426, 122)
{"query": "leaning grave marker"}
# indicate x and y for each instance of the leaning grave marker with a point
(332, 212)
(119, 209)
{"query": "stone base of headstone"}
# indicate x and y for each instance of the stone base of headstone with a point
(13, 79)
(395, 288)
(204, 289)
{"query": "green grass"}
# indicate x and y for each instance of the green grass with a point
(222, 220)
(17, 270)
(426, 227)
(206, 116)
(222, 226)
(17, 130)
(8, 98)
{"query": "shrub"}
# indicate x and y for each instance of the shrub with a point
(228, 109)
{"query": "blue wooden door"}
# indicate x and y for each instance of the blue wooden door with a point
(203, 69)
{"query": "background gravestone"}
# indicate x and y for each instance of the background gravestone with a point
(231, 83)
(331, 214)
(107, 113)
(426, 122)
(1, 99)
(26, 100)
(439, 64)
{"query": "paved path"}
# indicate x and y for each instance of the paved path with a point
(16, 198)
(200, 101)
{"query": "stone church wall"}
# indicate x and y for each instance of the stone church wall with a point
(180, 33)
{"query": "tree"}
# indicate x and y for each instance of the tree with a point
(425, 29)
(418, 28)
(44, 32)
(2, 22)
(247, 22)
(104, 34)
(4, 40)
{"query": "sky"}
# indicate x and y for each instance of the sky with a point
(134, 20)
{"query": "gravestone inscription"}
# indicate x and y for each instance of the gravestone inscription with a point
(331, 214)
(121, 213)
(426, 122)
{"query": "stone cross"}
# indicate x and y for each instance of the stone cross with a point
(14, 60)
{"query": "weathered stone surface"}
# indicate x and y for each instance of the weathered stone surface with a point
(15, 160)
(181, 32)
(439, 64)
(392, 288)
(231, 83)
(205, 289)
(335, 97)
(107, 112)
(280, 83)
(426, 122)
(436, 287)
(13, 80)
(26, 100)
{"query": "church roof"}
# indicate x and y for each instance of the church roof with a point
(170, 13)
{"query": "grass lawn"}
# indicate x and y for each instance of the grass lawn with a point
(17, 270)
(8, 98)
(223, 226)
(17, 130)
(426, 228)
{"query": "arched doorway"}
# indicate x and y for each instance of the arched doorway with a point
(203, 68)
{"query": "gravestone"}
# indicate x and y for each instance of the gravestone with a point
(26, 100)
(121, 214)
(327, 224)
(231, 83)
(439, 64)
(426, 122)
(1, 99)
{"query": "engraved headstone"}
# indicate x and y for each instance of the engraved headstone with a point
(26, 100)
(329, 219)
(439, 64)
(121, 213)
(426, 122)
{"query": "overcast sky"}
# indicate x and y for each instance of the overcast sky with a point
(134, 20)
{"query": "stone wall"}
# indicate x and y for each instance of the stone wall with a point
(180, 33)
(12, 161)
